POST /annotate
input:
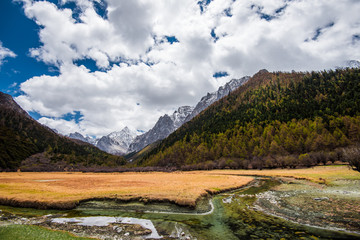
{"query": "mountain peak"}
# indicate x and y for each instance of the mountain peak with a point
(353, 64)
(262, 71)
(5, 98)
(76, 135)
(6, 101)
(168, 124)
(117, 142)
(210, 98)
(25, 137)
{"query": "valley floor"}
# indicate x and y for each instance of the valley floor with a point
(65, 190)
(315, 203)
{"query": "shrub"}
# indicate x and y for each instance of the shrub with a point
(352, 156)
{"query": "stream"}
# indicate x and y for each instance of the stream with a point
(264, 209)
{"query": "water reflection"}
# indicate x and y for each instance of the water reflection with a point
(105, 221)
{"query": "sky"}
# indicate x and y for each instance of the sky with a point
(96, 66)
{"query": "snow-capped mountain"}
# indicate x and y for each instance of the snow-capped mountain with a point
(126, 141)
(349, 64)
(179, 116)
(168, 124)
(80, 137)
(163, 128)
(117, 142)
(210, 98)
(353, 64)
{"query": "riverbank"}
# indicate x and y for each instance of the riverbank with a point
(317, 174)
(335, 206)
(316, 203)
(234, 215)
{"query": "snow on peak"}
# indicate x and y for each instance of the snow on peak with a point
(180, 115)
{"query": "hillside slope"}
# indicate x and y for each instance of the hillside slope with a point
(167, 124)
(22, 137)
(274, 120)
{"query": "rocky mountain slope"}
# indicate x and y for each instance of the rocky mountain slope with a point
(123, 142)
(117, 142)
(163, 128)
(80, 137)
(21, 137)
(168, 124)
(274, 120)
(210, 98)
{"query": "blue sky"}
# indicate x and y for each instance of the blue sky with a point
(19, 34)
(96, 66)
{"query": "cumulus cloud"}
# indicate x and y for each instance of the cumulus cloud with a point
(61, 125)
(126, 33)
(142, 75)
(125, 95)
(4, 53)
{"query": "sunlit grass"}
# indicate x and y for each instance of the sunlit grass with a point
(184, 188)
(179, 187)
(318, 174)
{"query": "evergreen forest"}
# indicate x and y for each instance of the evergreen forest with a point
(275, 120)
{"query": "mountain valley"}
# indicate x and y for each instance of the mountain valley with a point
(124, 142)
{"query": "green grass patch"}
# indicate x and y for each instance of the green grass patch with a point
(27, 232)
(29, 212)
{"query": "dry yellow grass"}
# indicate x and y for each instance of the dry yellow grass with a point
(66, 189)
(319, 174)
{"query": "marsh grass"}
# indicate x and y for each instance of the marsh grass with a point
(318, 174)
(26, 232)
(66, 190)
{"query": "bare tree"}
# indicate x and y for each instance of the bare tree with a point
(352, 156)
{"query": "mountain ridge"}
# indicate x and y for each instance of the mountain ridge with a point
(165, 125)
(116, 142)
(22, 137)
(158, 132)
(274, 120)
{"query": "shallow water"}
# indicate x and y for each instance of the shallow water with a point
(232, 216)
(101, 221)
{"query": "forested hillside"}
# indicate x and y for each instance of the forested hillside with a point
(22, 137)
(275, 120)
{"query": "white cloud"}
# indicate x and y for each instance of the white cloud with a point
(109, 100)
(61, 125)
(140, 66)
(4, 53)
(125, 34)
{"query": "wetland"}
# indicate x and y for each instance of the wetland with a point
(269, 207)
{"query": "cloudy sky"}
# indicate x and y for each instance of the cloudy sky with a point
(96, 66)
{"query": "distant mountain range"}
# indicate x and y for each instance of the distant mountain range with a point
(125, 141)
(168, 124)
(27, 144)
(80, 137)
(117, 142)
(269, 120)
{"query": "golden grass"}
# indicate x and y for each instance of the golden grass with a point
(54, 189)
(318, 174)
(65, 190)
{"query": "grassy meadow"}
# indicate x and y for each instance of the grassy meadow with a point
(64, 190)
(318, 174)
(25, 232)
